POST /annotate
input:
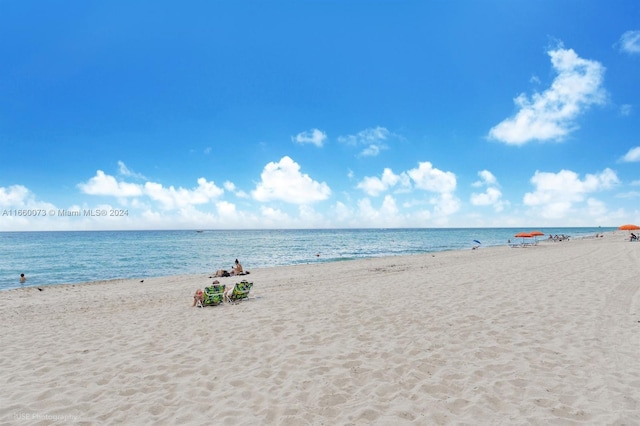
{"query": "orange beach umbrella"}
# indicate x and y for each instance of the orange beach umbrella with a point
(523, 235)
(535, 234)
(629, 227)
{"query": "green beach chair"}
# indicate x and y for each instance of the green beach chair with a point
(240, 291)
(213, 295)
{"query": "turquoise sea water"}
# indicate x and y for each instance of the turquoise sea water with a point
(49, 258)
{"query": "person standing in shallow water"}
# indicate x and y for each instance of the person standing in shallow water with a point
(22, 278)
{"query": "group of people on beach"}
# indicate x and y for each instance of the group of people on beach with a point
(558, 237)
(236, 269)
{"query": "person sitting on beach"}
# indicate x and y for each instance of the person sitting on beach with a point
(198, 297)
(633, 237)
(237, 269)
(22, 278)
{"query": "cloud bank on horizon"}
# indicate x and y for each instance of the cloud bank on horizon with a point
(362, 134)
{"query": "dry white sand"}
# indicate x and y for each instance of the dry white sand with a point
(539, 335)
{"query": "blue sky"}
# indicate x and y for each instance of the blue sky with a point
(319, 114)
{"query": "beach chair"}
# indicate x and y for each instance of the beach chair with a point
(240, 292)
(213, 295)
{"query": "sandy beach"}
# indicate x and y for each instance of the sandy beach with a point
(548, 334)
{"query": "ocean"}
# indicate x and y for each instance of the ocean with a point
(60, 257)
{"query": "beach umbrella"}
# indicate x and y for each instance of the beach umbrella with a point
(629, 227)
(523, 235)
(476, 241)
(535, 234)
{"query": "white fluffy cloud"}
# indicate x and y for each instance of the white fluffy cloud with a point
(630, 42)
(488, 198)
(486, 178)
(14, 196)
(169, 198)
(371, 151)
(551, 115)
(492, 195)
(556, 193)
(103, 184)
(633, 155)
(373, 140)
(314, 136)
(374, 186)
(446, 204)
(388, 215)
(274, 216)
(366, 136)
(424, 177)
(125, 171)
(284, 181)
(20, 197)
(428, 178)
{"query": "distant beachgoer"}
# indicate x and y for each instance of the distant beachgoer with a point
(22, 278)
(237, 269)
